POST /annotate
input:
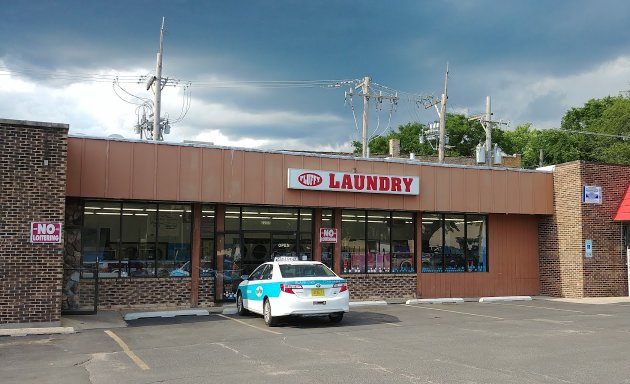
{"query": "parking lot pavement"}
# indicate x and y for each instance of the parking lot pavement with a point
(540, 341)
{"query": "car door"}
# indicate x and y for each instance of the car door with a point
(252, 301)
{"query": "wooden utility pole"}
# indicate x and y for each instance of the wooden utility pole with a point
(365, 93)
(158, 88)
(487, 124)
(443, 119)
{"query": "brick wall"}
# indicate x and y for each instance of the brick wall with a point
(605, 273)
(381, 286)
(31, 190)
(135, 293)
(564, 269)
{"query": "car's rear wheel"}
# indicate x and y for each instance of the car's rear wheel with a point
(336, 317)
(240, 309)
(269, 319)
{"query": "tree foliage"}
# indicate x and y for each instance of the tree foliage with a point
(593, 132)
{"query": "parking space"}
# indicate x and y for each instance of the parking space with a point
(538, 341)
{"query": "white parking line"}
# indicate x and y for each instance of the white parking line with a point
(534, 306)
(461, 313)
(249, 325)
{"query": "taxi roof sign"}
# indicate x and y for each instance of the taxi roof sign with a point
(286, 258)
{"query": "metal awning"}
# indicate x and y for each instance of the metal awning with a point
(623, 212)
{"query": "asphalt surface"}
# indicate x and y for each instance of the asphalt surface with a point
(538, 341)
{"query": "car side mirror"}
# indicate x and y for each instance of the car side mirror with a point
(244, 277)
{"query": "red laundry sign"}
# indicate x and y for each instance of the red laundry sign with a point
(44, 232)
(311, 179)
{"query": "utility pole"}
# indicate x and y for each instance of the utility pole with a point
(365, 88)
(487, 124)
(158, 88)
(365, 93)
(443, 119)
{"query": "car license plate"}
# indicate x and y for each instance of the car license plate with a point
(317, 292)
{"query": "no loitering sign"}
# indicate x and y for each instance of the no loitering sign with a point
(328, 235)
(45, 232)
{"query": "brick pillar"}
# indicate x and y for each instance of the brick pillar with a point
(33, 188)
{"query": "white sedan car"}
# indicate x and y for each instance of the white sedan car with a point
(287, 286)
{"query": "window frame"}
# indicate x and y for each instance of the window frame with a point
(467, 258)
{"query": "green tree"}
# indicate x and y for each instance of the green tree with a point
(463, 135)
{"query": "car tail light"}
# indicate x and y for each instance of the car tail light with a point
(342, 286)
(288, 288)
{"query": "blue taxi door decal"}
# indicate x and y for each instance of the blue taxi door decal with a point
(258, 290)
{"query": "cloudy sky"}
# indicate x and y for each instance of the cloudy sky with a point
(257, 70)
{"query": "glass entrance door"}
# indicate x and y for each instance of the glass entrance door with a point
(229, 267)
(256, 250)
(283, 245)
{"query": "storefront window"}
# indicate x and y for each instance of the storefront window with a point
(101, 238)
(270, 219)
(379, 252)
(476, 243)
(173, 238)
(454, 243)
(327, 248)
(254, 235)
(403, 242)
(306, 246)
(353, 241)
(377, 242)
(139, 252)
(137, 239)
(208, 223)
(229, 266)
(432, 238)
(232, 218)
(305, 251)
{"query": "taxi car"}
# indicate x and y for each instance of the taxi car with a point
(287, 286)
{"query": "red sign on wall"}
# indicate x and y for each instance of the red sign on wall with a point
(328, 235)
(44, 232)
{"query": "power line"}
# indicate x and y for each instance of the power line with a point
(622, 137)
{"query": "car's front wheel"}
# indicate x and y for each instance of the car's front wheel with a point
(269, 319)
(336, 317)
(240, 309)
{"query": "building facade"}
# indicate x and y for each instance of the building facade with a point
(148, 225)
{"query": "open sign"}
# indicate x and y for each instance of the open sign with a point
(43, 232)
(328, 235)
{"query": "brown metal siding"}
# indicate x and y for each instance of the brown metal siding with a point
(119, 161)
(190, 182)
(143, 170)
(137, 170)
(211, 176)
(169, 164)
(94, 168)
(512, 258)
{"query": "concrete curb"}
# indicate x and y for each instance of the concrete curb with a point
(367, 303)
(504, 298)
(229, 310)
(180, 312)
(447, 300)
(36, 331)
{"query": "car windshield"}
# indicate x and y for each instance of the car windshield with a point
(305, 270)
